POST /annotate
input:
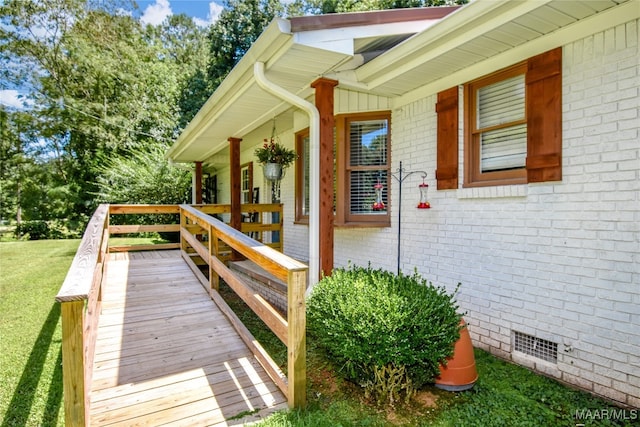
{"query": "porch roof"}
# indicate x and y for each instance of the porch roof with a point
(402, 53)
(295, 51)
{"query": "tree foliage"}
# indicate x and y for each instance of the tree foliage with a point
(240, 24)
(143, 175)
(104, 89)
(102, 86)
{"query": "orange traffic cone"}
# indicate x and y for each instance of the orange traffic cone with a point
(460, 373)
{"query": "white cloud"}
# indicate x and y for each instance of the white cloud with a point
(11, 98)
(156, 13)
(215, 10)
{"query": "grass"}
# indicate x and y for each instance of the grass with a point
(31, 273)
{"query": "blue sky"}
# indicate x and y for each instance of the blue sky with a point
(204, 12)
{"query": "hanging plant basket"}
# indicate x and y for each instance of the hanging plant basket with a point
(272, 171)
(274, 157)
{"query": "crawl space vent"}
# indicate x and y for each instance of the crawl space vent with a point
(536, 347)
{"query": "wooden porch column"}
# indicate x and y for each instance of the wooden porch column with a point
(324, 104)
(234, 163)
(198, 183)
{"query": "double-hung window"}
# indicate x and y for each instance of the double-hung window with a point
(362, 148)
(512, 126)
(496, 148)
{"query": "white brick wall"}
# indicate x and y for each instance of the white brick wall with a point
(559, 261)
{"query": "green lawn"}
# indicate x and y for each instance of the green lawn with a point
(31, 370)
(31, 273)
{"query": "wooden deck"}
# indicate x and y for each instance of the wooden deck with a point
(166, 355)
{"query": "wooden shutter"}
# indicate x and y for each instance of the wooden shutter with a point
(447, 156)
(544, 117)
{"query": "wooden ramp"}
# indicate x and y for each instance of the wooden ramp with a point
(166, 355)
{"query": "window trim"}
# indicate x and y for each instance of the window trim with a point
(249, 167)
(300, 216)
(473, 176)
(343, 216)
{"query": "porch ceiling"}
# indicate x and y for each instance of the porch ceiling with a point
(239, 106)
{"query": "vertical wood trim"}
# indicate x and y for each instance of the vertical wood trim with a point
(236, 185)
(75, 399)
(544, 121)
(447, 155)
(324, 99)
(198, 183)
(301, 166)
(296, 339)
(341, 155)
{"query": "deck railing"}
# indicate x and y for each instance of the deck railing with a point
(80, 299)
(202, 236)
(81, 293)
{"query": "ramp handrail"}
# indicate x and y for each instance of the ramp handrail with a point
(200, 235)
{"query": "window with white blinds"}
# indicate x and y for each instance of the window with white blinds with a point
(367, 164)
(501, 125)
(361, 162)
(304, 159)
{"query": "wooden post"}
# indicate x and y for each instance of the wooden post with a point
(296, 339)
(198, 184)
(324, 103)
(183, 226)
(236, 214)
(75, 397)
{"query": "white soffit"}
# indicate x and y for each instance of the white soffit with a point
(486, 31)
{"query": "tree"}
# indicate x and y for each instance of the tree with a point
(143, 176)
(240, 24)
(102, 86)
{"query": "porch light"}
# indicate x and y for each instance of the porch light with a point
(424, 188)
(378, 205)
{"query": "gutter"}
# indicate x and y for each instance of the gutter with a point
(314, 166)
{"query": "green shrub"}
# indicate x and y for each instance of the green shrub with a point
(37, 230)
(387, 332)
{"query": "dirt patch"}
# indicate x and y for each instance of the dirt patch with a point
(426, 399)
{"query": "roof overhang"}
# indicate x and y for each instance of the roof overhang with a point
(378, 53)
(482, 37)
(296, 52)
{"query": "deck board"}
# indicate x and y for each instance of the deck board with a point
(166, 355)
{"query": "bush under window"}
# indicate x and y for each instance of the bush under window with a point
(387, 332)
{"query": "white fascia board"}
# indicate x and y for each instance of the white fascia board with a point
(466, 23)
(277, 34)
